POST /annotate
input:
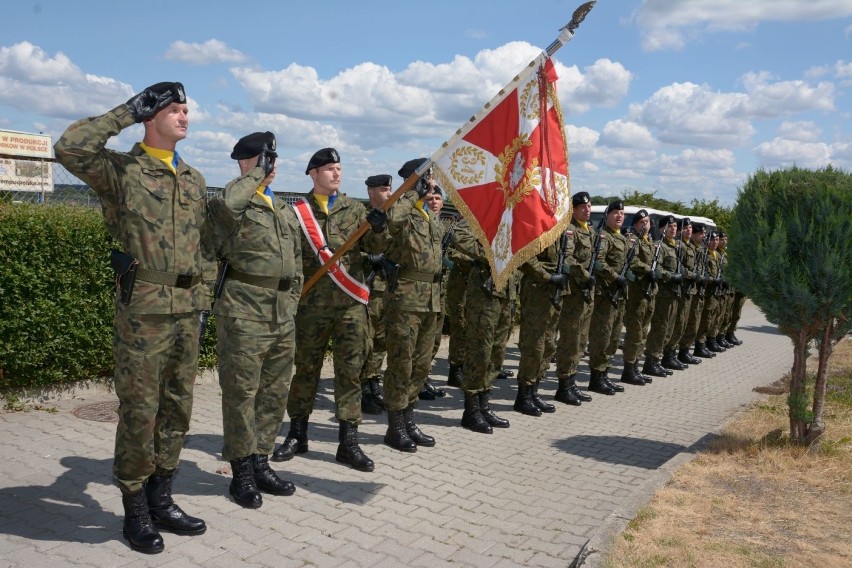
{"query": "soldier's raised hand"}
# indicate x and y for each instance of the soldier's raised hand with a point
(144, 105)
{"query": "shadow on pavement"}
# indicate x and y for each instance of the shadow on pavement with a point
(621, 450)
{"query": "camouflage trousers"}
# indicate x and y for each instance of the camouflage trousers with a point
(637, 320)
(662, 322)
(600, 328)
(736, 310)
(410, 337)
(346, 328)
(681, 320)
(488, 319)
(573, 326)
(376, 349)
(708, 318)
(156, 362)
(690, 332)
(255, 366)
(456, 285)
(537, 335)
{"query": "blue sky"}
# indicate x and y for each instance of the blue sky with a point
(681, 97)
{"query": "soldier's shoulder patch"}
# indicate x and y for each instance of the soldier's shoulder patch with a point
(603, 237)
(632, 240)
(569, 233)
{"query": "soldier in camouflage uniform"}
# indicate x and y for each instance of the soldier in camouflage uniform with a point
(577, 305)
(487, 310)
(696, 310)
(712, 280)
(735, 303)
(688, 294)
(258, 241)
(332, 310)
(641, 293)
(610, 284)
(434, 202)
(665, 306)
(725, 294)
(154, 206)
(372, 397)
(412, 308)
(456, 292)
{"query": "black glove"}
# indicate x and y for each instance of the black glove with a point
(146, 104)
(591, 281)
(620, 281)
(717, 281)
(266, 161)
(422, 187)
(378, 219)
(652, 276)
(677, 278)
(559, 280)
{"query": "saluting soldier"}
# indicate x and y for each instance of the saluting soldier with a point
(258, 293)
(610, 292)
(335, 309)
(411, 309)
(578, 303)
(154, 206)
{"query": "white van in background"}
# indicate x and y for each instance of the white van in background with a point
(655, 214)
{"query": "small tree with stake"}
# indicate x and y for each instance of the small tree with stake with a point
(791, 250)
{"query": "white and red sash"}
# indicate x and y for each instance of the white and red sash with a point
(356, 290)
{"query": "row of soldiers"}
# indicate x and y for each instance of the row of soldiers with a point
(669, 297)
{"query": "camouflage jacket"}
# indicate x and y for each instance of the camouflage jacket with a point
(640, 266)
(415, 244)
(158, 218)
(480, 271)
(341, 222)
(667, 265)
(582, 243)
(258, 241)
(610, 259)
(690, 253)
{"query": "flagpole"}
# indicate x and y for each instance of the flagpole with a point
(566, 33)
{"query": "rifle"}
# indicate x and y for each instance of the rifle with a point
(596, 249)
(631, 252)
(679, 257)
(704, 266)
(718, 291)
(654, 262)
(698, 258)
(556, 300)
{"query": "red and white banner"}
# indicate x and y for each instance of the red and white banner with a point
(507, 170)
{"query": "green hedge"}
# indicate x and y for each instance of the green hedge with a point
(56, 297)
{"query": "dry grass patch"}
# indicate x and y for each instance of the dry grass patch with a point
(753, 500)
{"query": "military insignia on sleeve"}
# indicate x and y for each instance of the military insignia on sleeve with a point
(569, 234)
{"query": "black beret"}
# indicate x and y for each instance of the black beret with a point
(722, 234)
(323, 157)
(682, 223)
(617, 205)
(252, 145)
(410, 167)
(713, 234)
(698, 227)
(665, 220)
(378, 180)
(178, 94)
(580, 198)
(639, 215)
(437, 191)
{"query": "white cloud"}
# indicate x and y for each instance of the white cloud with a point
(211, 51)
(782, 152)
(801, 131)
(627, 134)
(32, 81)
(603, 84)
(767, 99)
(669, 24)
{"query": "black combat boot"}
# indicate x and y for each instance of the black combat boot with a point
(376, 388)
(243, 487)
(524, 403)
(348, 451)
(731, 338)
(652, 367)
(648, 380)
(296, 441)
(609, 383)
(413, 431)
(454, 378)
(702, 351)
(597, 384)
(138, 527)
(369, 404)
(713, 346)
(488, 414)
(669, 361)
(629, 376)
(430, 391)
(267, 480)
(396, 436)
(684, 357)
(505, 374)
(164, 512)
(721, 341)
(539, 402)
(576, 390)
(564, 392)
(472, 419)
